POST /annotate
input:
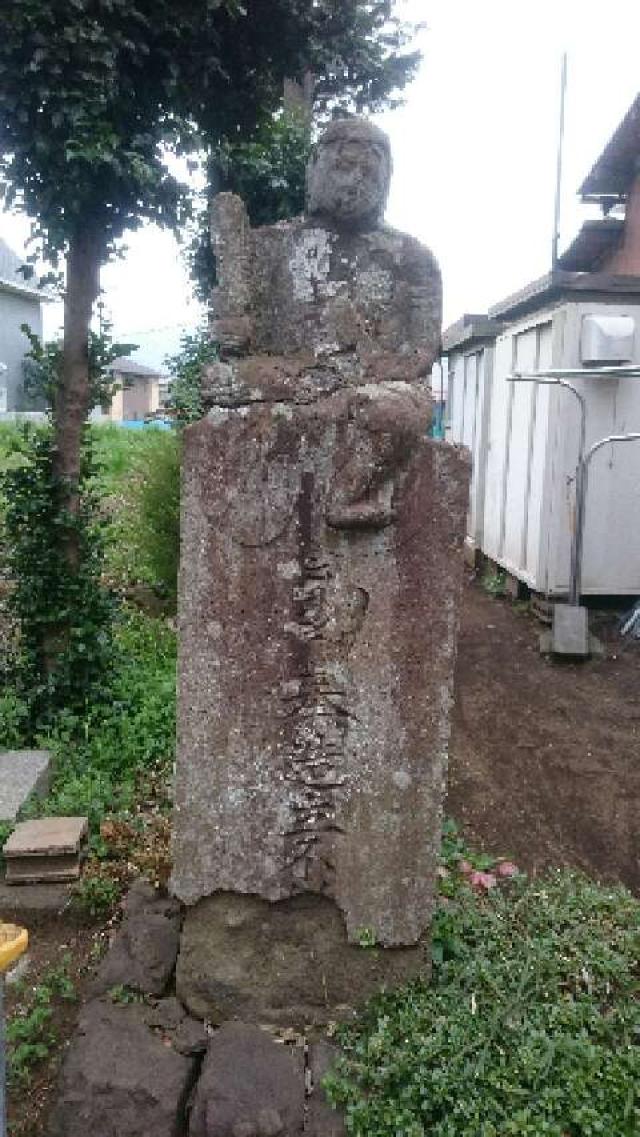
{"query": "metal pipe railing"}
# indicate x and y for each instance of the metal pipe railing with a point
(560, 377)
(559, 380)
(582, 481)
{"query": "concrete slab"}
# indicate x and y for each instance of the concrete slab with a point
(45, 850)
(25, 899)
(22, 773)
(47, 836)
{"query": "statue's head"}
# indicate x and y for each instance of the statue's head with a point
(349, 173)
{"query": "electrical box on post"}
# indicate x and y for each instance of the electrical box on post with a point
(607, 339)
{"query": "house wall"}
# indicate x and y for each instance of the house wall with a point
(136, 401)
(14, 311)
(532, 454)
(136, 397)
(468, 403)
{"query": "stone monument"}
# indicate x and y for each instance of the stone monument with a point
(320, 570)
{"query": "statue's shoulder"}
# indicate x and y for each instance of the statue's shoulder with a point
(409, 254)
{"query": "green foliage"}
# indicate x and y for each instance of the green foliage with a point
(95, 896)
(100, 754)
(494, 582)
(14, 720)
(91, 91)
(156, 507)
(64, 617)
(144, 536)
(185, 369)
(529, 1026)
(366, 937)
(42, 367)
(267, 170)
(124, 996)
(30, 1035)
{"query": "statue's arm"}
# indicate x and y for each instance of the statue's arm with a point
(231, 299)
(424, 314)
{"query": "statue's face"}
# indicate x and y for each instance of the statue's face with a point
(348, 181)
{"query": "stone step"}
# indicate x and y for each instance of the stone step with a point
(49, 849)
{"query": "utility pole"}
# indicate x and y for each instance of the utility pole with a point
(556, 216)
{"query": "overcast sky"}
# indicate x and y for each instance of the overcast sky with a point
(474, 154)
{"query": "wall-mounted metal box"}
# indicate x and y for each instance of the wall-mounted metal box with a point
(607, 339)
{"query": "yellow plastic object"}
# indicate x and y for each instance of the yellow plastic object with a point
(13, 944)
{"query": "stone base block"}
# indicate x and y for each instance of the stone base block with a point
(242, 957)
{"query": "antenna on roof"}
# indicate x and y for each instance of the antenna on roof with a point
(556, 214)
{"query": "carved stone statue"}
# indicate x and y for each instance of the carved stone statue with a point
(328, 303)
(321, 563)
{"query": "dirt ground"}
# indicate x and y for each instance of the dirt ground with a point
(56, 942)
(545, 755)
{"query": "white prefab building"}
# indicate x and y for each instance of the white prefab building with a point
(525, 438)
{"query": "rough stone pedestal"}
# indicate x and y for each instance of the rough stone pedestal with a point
(315, 683)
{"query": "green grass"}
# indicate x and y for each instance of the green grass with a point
(100, 756)
(139, 481)
(530, 1026)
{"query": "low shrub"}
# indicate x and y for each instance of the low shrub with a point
(530, 1025)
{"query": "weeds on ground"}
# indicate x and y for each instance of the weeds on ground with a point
(30, 1034)
(529, 1026)
(95, 895)
(494, 582)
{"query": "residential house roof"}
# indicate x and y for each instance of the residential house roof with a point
(123, 365)
(595, 241)
(11, 279)
(616, 168)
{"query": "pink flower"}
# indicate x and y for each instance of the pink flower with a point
(483, 881)
(507, 868)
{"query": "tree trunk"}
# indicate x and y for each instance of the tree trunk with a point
(70, 410)
(72, 397)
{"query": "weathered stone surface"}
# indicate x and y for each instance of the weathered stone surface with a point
(284, 963)
(250, 1086)
(321, 563)
(143, 953)
(186, 1035)
(120, 1077)
(22, 773)
(315, 670)
(321, 1119)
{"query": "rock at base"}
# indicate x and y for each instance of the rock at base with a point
(143, 954)
(121, 1078)
(288, 962)
(321, 1119)
(250, 1086)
